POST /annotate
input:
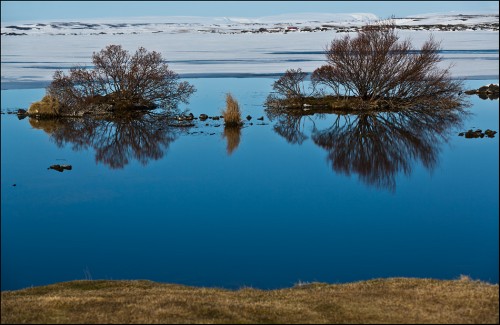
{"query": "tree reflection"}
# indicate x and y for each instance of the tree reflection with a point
(116, 140)
(378, 145)
(287, 125)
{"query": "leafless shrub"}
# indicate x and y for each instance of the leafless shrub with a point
(291, 84)
(141, 80)
(291, 88)
(324, 75)
(375, 65)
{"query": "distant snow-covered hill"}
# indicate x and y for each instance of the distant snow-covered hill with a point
(305, 22)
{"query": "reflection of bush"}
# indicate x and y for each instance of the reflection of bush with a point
(233, 136)
(377, 146)
(115, 140)
(288, 126)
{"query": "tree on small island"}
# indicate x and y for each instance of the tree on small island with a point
(118, 82)
(372, 71)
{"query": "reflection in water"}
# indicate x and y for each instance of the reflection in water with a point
(288, 125)
(233, 136)
(490, 96)
(116, 140)
(378, 145)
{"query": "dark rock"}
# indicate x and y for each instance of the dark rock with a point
(181, 125)
(216, 118)
(461, 134)
(22, 112)
(249, 117)
(490, 91)
(490, 133)
(261, 118)
(61, 168)
(203, 117)
(479, 134)
(493, 88)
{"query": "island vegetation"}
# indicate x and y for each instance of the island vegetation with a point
(118, 82)
(372, 71)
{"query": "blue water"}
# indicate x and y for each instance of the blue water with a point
(185, 207)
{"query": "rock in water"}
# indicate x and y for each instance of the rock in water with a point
(61, 168)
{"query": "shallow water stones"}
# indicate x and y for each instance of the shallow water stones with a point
(203, 117)
(470, 134)
(488, 91)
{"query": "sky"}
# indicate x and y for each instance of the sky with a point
(64, 10)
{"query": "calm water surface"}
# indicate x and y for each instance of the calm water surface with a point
(267, 207)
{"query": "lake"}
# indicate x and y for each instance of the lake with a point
(277, 203)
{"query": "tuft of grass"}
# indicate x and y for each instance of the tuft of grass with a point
(48, 106)
(393, 300)
(232, 114)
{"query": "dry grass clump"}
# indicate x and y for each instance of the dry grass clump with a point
(396, 300)
(48, 106)
(232, 114)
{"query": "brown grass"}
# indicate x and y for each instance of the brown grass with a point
(232, 114)
(395, 300)
(48, 106)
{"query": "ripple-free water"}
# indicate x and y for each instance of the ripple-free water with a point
(264, 207)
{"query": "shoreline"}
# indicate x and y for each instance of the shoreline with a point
(16, 85)
(387, 300)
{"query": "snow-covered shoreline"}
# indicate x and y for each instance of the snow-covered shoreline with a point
(32, 59)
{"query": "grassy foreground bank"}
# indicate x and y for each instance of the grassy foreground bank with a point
(394, 300)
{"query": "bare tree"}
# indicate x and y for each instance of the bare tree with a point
(375, 64)
(120, 80)
(290, 88)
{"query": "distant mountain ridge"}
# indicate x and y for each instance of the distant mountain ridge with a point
(279, 23)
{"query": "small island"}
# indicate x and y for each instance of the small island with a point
(373, 71)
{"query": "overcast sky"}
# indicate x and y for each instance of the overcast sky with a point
(49, 10)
